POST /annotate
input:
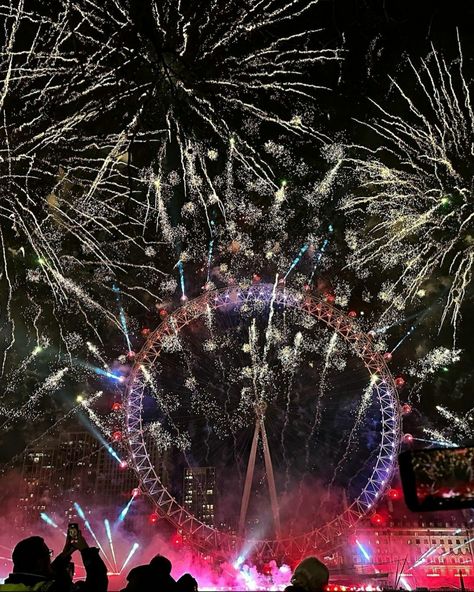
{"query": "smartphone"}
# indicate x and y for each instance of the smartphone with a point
(438, 478)
(73, 531)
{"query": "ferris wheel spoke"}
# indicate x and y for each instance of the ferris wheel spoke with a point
(241, 398)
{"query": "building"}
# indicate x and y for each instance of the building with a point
(74, 467)
(39, 489)
(199, 493)
(427, 551)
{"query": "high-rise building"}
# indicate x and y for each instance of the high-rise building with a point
(39, 488)
(199, 493)
(74, 467)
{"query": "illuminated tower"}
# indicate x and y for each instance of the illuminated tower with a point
(199, 493)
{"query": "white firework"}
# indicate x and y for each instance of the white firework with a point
(416, 189)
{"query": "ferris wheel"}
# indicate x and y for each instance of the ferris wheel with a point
(158, 401)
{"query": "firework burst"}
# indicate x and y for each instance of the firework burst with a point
(127, 135)
(416, 189)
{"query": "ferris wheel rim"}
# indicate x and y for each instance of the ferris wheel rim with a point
(361, 345)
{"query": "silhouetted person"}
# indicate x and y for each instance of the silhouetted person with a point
(310, 575)
(139, 578)
(155, 577)
(33, 569)
(186, 583)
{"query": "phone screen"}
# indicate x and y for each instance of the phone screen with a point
(72, 531)
(438, 478)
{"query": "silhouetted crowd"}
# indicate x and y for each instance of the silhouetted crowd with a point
(34, 570)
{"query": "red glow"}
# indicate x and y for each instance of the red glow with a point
(123, 464)
(377, 519)
(387, 356)
(117, 436)
(352, 314)
(406, 408)
(267, 569)
(256, 277)
(330, 298)
(163, 313)
(394, 494)
(136, 491)
(131, 354)
(153, 518)
(116, 406)
(407, 438)
(399, 381)
(177, 540)
(145, 331)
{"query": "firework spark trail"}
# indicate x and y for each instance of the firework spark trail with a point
(129, 556)
(95, 351)
(296, 260)
(361, 411)
(181, 438)
(209, 255)
(438, 436)
(268, 331)
(257, 366)
(428, 193)
(123, 320)
(293, 367)
(87, 524)
(322, 382)
(181, 279)
(320, 253)
(10, 318)
(95, 418)
(52, 382)
(48, 520)
(111, 542)
(459, 422)
(20, 369)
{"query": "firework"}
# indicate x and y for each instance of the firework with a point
(416, 189)
(127, 135)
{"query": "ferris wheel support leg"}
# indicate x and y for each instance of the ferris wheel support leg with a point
(271, 481)
(248, 480)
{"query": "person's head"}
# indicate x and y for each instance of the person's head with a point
(186, 583)
(32, 555)
(161, 565)
(139, 578)
(311, 575)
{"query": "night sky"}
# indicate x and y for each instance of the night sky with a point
(375, 39)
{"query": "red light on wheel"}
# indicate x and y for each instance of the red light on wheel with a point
(145, 332)
(399, 381)
(376, 519)
(256, 278)
(394, 494)
(117, 436)
(330, 298)
(163, 313)
(177, 540)
(116, 406)
(406, 409)
(267, 570)
(153, 518)
(352, 314)
(387, 356)
(136, 491)
(407, 438)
